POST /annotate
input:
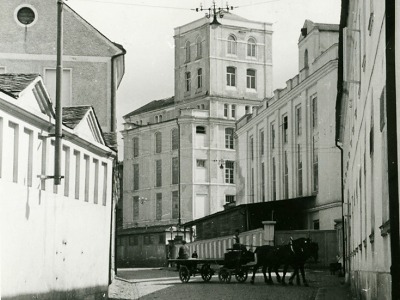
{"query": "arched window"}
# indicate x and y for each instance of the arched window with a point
(230, 76)
(156, 119)
(158, 142)
(306, 59)
(187, 51)
(232, 45)
(251, 47)
(251, 79)
(199, 47)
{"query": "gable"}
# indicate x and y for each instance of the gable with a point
(88, 128)
(80, 38)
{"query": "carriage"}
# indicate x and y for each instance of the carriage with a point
(237, 262)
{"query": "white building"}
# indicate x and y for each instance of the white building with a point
(179, 159)
(286, 148)
(53, 238)
(367, 121)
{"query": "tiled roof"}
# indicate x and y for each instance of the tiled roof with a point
(73, 115)
(13, 84)
(110, 139)
(153, 105)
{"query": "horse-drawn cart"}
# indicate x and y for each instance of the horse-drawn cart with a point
(235, 262)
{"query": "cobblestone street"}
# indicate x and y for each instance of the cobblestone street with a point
(165, 284)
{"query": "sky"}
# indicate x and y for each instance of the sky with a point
(146, 29)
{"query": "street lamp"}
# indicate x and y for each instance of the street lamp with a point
(214, 11)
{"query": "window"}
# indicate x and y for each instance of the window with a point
(43, 141)
(251, 79)
(306, 59)
(175, 205)
(272, 136)
(316, 224)
(229, 199)
(263, 182)
(188, 81)
(175, 139)
(200, 129)
(285, 129)
(161, 239)
(314, 112)
(187, 51)
(160, 118)
(50, 83)
(233, 111)
(232, 45)
(199, 78)
(27, 148)
(86, 158)
(135, 147)
(225, 110)
(251, 47)
(156, 119)
(203, 106)
(26, 16)
(158, 173)
(229, 171)
(175, 170)
(135, 177)
(261, 142)
(229, 138)
(199, 47)
(299, 172)
(14, 134)
(201, 163)
(285, 177)
(133, 240)
(96, 181)
(298, 120)
(315, 166)
(158, 142)
(230, 76)
(77, 156)
(158, 206)
(247, 109)
(105, 175)
(251, 148)
(135, 208)
(273, 179)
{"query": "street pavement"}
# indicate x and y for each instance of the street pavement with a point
(164, 283)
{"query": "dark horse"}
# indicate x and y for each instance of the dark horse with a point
(294, 254)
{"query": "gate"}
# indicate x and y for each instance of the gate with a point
(326, 239)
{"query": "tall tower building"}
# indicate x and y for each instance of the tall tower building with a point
(179, 162)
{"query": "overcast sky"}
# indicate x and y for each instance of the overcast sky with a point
(146, 28)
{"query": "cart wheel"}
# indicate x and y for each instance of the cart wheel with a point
(241, 275)
(224, 275)
(184, 274)
(206, 272)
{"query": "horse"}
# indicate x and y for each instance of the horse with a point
(296, 254)
(264, 256)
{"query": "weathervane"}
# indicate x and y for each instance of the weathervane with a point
(214, 11)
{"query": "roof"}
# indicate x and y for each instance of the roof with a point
(310, 25)
(73, 115)
(153, 105)
(110, 138)
(14, 84)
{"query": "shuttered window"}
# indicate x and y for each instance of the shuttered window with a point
(175, 170)
(135, 208)
(135, 147)
(175, 205)
(158, 206)
(158, 173)
(135, 177)
(175, 139)
(158, 142)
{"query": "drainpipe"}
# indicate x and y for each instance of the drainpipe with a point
(59, 71)
(179, 173)
(113, 125)
(391, 115)
(342, 195)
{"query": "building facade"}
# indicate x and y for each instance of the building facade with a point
(53, 238)
(286, 149)
(93, 66)
(179, 161)
(367, 121)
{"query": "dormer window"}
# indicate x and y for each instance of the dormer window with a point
(232, 49)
